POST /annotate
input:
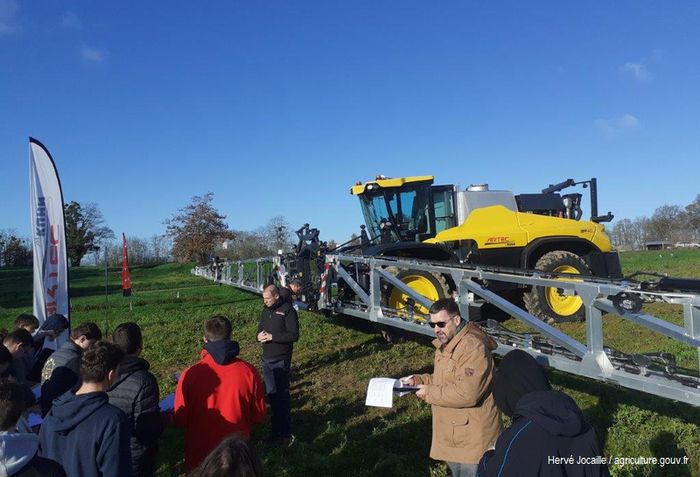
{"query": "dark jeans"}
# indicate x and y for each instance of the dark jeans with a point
(276, 377)
(462, 470)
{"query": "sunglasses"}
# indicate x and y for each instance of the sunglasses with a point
(439, 324)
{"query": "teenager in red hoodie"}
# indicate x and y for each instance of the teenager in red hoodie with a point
(218, 396)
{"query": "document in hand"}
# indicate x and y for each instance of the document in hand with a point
(380, 391)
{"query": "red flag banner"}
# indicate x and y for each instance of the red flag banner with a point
(126, 278)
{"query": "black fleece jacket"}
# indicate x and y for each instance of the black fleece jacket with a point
(282, 322)
(136, 393)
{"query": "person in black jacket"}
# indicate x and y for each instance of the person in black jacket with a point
(60, 372)
(18, 450)
(136, 393)
(5, 361)
(548, 436)
(291, 292)
(82, 431)
(277, 332)
(19, 342)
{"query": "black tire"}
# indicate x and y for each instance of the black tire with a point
(544, 302)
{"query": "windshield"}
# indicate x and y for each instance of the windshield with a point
(405, 211)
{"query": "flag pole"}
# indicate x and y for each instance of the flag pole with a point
(106, 295)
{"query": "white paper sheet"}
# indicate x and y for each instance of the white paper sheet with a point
(380, 392)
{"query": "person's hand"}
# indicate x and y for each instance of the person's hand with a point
(408, 381)
(422, 392)
(264, 337)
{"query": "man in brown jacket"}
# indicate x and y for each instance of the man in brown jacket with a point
(466, 421)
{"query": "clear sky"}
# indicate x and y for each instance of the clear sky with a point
(278, 107)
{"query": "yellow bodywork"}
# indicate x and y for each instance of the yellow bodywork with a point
(498, 227)
(360, 188)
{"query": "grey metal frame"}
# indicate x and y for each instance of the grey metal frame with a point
(588, 359)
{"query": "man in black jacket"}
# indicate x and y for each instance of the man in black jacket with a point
(61, 370)
(18, 450)
(548, 436)
(277, 332)
(136, 393)
(291, 292)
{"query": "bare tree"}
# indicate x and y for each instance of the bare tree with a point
(197, 230)
(159, 248)
(692, 211)
(277, 234)
(667, 223)
(639, 232)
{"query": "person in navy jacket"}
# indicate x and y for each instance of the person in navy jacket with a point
(83, 432)
(548, 436)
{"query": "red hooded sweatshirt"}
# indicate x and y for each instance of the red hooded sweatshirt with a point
(216, 397)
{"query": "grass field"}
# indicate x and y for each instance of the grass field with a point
(335, 357)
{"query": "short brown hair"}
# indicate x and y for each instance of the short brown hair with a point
(217, 328)
(19, 336)
(88, 329)
(447, 304)
(25, 319)
(128, 337)
(101, 358)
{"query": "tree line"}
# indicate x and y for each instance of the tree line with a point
(89, 240)
(199, 233)
(668, 223)
(196, 233)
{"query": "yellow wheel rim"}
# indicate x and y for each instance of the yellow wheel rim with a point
(563, 305)
(422, 285)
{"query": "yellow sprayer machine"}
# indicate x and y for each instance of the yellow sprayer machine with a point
(410, 217)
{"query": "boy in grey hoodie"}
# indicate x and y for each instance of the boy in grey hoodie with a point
(18, 451)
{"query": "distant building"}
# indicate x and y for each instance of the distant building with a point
(687, 245)
(657, 244)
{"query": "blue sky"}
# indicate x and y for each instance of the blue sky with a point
(278, 107)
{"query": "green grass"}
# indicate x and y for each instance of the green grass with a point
(334, 359)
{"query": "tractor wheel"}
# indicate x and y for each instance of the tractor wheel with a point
(433, 286)
(549, 303)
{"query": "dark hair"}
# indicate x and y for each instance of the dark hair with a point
(25, 319)
(296, 283)
(5, 355)
(89, 329)
(128, 337)
(101, 358)
(446, 304)
(234, 457)
(12, 403)
(19, 336)
(217, 328)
